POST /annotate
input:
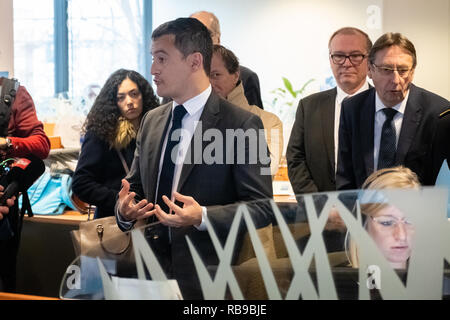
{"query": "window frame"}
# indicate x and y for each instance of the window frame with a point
(61, 42)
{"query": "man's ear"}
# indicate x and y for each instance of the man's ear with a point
(196, 61)
(369, 70)
(236, 76)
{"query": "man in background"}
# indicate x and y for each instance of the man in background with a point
(313, 145)
(249, 78)
(393, 123)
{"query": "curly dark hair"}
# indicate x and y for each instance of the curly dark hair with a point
(103, 117)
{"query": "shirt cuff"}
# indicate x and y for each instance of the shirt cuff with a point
(202, 226)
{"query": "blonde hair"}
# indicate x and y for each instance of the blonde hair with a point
(389, 178)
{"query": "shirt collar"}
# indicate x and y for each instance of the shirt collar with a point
(196, 103)
(400, 107)
(341, 94)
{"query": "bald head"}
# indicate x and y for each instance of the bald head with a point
(211, 22)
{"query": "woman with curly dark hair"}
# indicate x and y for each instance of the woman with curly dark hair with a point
(110, 139)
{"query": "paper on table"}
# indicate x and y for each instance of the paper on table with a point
(135, 289)
(282, 188)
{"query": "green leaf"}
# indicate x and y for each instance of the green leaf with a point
(288, 86)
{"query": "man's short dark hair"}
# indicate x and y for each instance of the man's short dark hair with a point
(393, 39)
(229, 58)
(190, 36)
(352, 31)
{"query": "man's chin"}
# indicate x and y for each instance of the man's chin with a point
(349, 80)
(395, 98)
(162, 93)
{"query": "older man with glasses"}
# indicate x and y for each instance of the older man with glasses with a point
(312, 149)
(313, 145)
(393, 123)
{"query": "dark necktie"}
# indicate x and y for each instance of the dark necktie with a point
(168, 167)
(386, 157)
(345, 99)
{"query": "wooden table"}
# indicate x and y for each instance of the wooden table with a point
(14, 296)
(69, 217)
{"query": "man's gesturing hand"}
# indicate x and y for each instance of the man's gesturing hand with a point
(189, 215)
(128, 208)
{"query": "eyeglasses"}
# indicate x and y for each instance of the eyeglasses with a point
(387, 72)
(389, 222)
(354, 59)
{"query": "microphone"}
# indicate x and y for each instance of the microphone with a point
(22, 174)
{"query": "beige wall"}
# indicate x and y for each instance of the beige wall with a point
(427, 25)
(6, 36)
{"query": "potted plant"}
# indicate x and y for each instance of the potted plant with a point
(284, 105)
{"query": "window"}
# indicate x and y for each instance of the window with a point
(101, 36)
(34, 60)
(104, 36)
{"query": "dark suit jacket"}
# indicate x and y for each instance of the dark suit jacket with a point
(212, 186)
(310, 151)
(440, 148)
(356, 136)
(252, 90)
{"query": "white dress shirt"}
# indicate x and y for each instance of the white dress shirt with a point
(194, 108)
(341, 95)
(380, 117)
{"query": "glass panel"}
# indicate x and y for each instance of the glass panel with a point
(387, 235)
(34, 59)
(104, 35)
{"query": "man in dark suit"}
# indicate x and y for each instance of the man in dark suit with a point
(440, 148)
(175, 174)
(312, 149)
(391, 124)
(249, 79)
(313, 142)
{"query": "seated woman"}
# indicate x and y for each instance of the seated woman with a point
(110, 139)
(386, 224)
(225, 82)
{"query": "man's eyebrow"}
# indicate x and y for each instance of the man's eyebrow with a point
(159, 51)
(391, 65)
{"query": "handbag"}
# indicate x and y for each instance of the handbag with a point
(102, 237)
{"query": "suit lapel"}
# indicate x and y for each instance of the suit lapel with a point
(367, 125)
(194, 155)
(327, 117)
(411, 121)
(159, 130)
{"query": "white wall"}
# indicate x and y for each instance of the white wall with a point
(289, 38)
(278, 38)
(6, 36)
